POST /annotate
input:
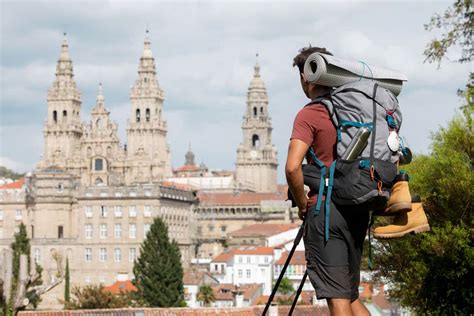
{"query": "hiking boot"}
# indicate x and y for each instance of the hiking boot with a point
(404, 223)
(400, 198)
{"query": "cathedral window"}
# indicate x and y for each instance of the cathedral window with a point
(255, 141)
(147, 115)
(255, 111)
(137, 115)
(261, 109)
(55, 116)
(64, 116)
(60, 232)
(99, 166)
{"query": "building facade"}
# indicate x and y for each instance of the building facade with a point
(91, 199)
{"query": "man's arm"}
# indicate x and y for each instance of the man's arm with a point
(294, 174)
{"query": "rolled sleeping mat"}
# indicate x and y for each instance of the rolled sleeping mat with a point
(330, 71)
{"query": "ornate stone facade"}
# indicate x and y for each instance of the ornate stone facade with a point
(256, 166)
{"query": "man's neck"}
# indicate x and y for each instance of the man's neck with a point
(319, 91)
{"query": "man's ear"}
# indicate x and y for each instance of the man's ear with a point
(303, 78)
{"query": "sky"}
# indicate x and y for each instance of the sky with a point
(205, 52)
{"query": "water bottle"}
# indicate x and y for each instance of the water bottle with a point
(357, 144)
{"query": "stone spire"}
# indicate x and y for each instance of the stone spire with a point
(189, 157)
(100, 101)
(256, 166)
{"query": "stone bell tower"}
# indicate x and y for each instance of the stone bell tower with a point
(63, 128)
(256, 166)
(148, 153)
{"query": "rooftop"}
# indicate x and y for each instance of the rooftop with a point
(262, 230)
(297, 259)
(18, 184)
(239, 198)
(121, 286)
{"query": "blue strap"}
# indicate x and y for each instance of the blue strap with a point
(391, 121)
(355, 124)
(322, 169)
(328, 199)
(364, 164)
(339, 136)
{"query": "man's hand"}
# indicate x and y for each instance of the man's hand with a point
(294, 174)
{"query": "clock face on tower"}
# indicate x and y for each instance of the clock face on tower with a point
(253, 154)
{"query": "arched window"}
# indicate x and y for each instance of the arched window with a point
(55, 116)
(144, 80)
(64, 116)
(254, 111)
(261, 110)
(98, 164)
(89, 151)
(98, 181)
(255, 141)
(137, 115)
(147, 115)
(109, 150)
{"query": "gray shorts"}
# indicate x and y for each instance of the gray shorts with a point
(334, 266)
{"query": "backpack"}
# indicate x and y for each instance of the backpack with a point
(369, 177)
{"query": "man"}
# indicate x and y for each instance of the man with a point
(333, 265)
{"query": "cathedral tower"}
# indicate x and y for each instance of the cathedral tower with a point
(256, 166)
(147, 151)
(63, 127)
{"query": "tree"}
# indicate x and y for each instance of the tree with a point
(431, 272)
(94, 297)
(158, 271)
(286, 287)
(458, 23)
(10, 174)
(206, 295)
(67, 294)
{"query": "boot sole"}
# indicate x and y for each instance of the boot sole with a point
(399, 208)
(416, 230)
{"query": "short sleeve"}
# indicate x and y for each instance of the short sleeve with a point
(303, 128)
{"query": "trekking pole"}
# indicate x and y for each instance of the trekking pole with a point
(298, 292)
(282, 273)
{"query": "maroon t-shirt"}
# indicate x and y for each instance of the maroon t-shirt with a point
(314, 126)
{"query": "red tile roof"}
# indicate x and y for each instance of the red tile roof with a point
(223, 291)
(297, 259)
(188, 168)
(121, 286)
(254, 251)
(18, 184)
(242, 198)
(193, 277)
(262, 230)
(180, 186)
(224, 257)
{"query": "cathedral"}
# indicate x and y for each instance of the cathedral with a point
(92, 199)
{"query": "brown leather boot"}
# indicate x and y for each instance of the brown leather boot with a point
(400, 198)
(404, 223)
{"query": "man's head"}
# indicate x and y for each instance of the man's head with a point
(311, 90)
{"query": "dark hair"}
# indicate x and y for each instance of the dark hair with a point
(304, 53)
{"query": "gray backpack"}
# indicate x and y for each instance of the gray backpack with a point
(369, 177)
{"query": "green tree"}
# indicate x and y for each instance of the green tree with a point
(286, 287)
(10, 174)
(94, 297)
(431, 272)
(67, 294)
(458, 25)
(206, 295)
(158, 271)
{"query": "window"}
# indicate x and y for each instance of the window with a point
(132, 254)
(132, 211)
(255, 141)
(118, 193)
(254, 111)
(1, 215)
(133, 193)
(248, 273)
(103, 211)
(147, 211)
(223, 229)
(88, 255)
(117, 255)
(211, 228)
(240, 259)
(265, 259)
(147, 192)
(118, 211)
(248, 259)
(102, 279)
(132, 231)
(199, 230)
(103, 231)
(64, 116)
(103, 254)
(60, 188)
(239, 273)
(32, 231)
(60, 232)
(88, 231)
(137, 115)
(99, 164)
(118, 231)
(18, 215)
(104, 194)
(55, 116)
(88, 211)
(37, 255)
(146, 229)
(147, 115)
